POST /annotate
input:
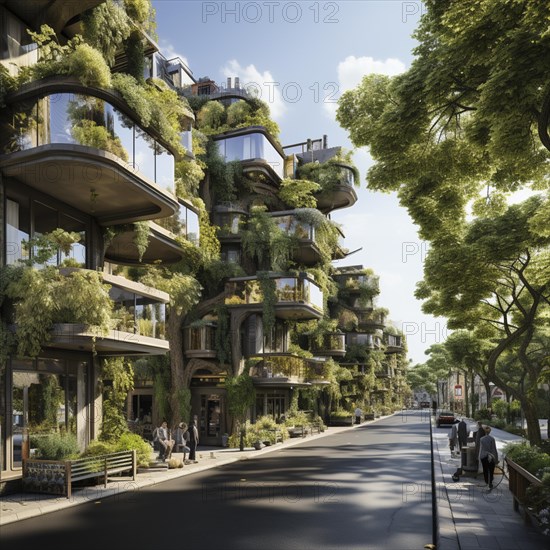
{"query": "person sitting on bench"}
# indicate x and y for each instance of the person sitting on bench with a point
(166, 443)
(181, 437)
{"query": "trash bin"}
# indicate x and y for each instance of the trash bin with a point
(468, 461)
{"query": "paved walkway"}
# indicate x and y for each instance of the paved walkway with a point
(469, 517)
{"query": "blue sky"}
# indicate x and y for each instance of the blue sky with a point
(300, 56)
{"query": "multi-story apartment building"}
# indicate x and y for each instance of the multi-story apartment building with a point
(83, 172)
(77, 164)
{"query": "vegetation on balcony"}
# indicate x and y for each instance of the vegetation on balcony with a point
(330, 174)
(298, 193)
(36, 299)
(214, 118)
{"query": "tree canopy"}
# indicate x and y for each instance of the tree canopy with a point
(455, 136)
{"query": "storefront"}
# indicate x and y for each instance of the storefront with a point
(208, 405)
(53, 393)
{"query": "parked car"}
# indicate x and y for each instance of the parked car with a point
(424, 404)
(445, 418)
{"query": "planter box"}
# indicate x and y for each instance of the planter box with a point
(55, 477)
(341, 421)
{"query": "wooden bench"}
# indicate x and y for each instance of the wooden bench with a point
(57, 476)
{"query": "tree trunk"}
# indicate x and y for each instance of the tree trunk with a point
(531, 417)
(175, 337)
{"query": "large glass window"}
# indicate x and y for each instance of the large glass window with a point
(189, 221)
(17, 231)
(46, 398)
(92, 122)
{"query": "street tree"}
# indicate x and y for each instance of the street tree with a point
(454, 135)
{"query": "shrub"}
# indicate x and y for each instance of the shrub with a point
(97, 448)
(55, 446)
(129, 442)
(89, 66)
(297, 418)
(531, 458)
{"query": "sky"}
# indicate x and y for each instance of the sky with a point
(300, 57)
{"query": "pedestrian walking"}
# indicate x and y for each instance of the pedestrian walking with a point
(488, 455)
(462, 430)
(358, 415)
(193, 441)
(477, 436)
(453, 439)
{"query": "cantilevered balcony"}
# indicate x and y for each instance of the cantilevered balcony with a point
(163, 246)
(82, 146)
(341, 193)
(370, 341)
(200, 341)
(371, 320)
(258, 152)
(230, 219)
(138, 328)
(295, 297)
(394, 343)
(287, 369)
(55, 13)
(332, 345)
(306, 251)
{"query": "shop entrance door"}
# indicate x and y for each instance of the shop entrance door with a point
(210, 421)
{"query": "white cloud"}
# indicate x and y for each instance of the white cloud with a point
(261, 83)
(168, 50)
(352, 70)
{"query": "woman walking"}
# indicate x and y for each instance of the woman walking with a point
(488, 455)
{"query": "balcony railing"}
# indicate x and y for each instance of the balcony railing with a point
(332, 344)
(137, 309)
(290, 225)
(371, 341)
(374, 319)
(76, 119)
(200, 341)
(249, 147)
(290, 367)
(288, 290)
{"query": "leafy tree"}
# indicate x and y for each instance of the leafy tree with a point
(471, 114)
(497, 280)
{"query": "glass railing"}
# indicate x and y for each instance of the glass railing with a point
(290, 225)
(138, 314)
(250, 147)
(287, 290)
(393, 341)
(85, 120)
(371, 318)
(369, 340)
(330, 342)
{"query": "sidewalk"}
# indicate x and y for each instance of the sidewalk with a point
(471, 517)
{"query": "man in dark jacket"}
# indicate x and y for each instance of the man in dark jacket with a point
(462, 429)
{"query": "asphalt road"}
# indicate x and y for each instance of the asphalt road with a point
(367, 488)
